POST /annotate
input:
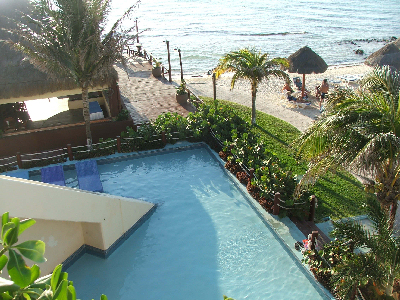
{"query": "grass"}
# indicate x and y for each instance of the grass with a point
(339, 195)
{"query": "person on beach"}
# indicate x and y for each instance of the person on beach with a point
(322, 91)
(287, 87)
(288, 90)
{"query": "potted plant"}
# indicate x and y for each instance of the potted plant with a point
(181, 94)
(157, 72)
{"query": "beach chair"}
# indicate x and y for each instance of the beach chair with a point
(88, 176)
(297, 82)
(95, 111)
(53, 175)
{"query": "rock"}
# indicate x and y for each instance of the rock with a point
(359, 51)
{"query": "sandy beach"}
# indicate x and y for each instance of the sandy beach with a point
(271, 100)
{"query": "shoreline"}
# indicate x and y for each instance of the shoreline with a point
(176, 76)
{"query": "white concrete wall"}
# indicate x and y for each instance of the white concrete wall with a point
(67, 218)
(51, 95)
(62, 240)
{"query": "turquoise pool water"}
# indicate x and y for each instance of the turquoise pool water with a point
(203, 241)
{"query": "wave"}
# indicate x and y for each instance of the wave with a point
(273, 33)
(373, 40)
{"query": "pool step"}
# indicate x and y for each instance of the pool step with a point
(24, 174)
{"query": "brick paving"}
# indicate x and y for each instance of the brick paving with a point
(145, 96)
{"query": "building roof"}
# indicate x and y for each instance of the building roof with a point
(18, 77)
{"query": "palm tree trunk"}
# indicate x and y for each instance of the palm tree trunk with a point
(253, 104)
(387, 194)
(353, 292)
(86, 114)
(389, 289)
(390, 284)
(392, 216)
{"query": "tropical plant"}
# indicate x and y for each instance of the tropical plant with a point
(174, 126)
(123, 115)
(25, 282)
(144, 138)
(181, 89)
(380, 265)
(360, 131)
(157, 63)
(253, 66)
(67, 40)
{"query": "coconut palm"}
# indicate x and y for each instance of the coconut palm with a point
(360, 131)
(67, 40)
(379, 264)
(253, 66)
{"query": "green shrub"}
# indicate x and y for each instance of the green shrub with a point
(146, 137)
(175, 127)
(123, 115)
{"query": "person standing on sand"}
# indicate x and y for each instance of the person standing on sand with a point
(324, 88)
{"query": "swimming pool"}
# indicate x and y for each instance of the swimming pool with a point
(204, 240)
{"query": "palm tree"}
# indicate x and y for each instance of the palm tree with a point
(380, 264)
(253, 66)
(67, 40)
(360, 131)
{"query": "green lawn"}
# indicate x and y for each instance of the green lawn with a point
(339, 195)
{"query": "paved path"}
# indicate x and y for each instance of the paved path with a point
(145, 96)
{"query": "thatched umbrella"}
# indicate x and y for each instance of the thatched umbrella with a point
(305, 61)
(387, 55)
(397, 43)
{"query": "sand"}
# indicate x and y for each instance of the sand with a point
(271, 100)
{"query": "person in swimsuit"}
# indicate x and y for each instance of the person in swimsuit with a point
(288, 90)
(323, 89)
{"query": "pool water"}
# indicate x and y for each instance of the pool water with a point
(204, 240)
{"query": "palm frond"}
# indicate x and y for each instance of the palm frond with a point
(382, 79)
(250, 65)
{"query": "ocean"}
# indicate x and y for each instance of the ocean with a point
(205, 30)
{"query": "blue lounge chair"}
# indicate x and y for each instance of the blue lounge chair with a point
(53, 175)
(297, 82)
(95, 111)
(88, 176)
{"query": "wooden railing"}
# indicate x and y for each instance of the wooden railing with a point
(103, 148)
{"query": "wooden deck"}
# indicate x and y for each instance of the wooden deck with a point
(307, 227)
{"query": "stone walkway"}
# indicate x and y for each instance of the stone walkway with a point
(145, 96)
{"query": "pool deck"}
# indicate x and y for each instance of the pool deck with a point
(145, 96)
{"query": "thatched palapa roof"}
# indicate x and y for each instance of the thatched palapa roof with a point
(387, 55)
(306, 61)
(397, 43)
(19, 78)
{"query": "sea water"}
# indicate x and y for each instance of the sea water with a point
(203, 241)
(205, 30)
